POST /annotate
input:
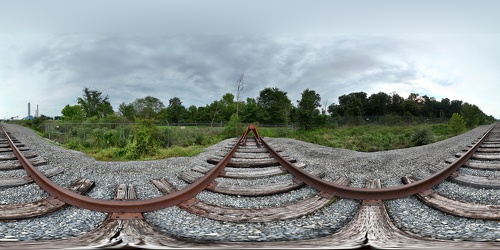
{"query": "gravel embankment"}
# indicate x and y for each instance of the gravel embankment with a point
(388, 166)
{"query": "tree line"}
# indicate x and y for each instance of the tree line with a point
(271, 106)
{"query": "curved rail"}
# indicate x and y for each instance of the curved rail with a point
(152, 204)
(244, 137)
(376, 193)
(199, 185)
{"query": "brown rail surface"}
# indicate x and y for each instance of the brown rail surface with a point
(81, 201)
(175, 198)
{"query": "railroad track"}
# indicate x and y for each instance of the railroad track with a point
(244, 169)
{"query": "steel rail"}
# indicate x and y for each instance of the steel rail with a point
(388, 193)
(110, 206)
(199, 185)
(244, 137)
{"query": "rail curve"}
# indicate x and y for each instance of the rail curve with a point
(177, 197)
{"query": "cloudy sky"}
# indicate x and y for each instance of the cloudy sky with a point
(196, 50)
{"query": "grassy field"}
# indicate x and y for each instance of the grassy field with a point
(368, 138)
(150, 142)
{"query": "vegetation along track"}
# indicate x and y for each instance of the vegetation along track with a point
(255, 169)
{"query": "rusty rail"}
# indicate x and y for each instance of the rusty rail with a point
(176, 197)
(81, 201)
(244, 137)
(332, 189)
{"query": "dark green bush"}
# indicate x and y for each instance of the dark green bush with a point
(422, 136)
(457, 124)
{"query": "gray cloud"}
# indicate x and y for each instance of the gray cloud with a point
(201, 68)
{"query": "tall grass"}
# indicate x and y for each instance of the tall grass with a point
(146, 141)
(369, 138)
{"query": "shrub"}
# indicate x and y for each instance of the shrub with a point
(233, 128)
(74, 143)
(457, 124)
(422, 136)
(144, 142)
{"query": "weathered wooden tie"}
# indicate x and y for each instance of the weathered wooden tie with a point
(245, 173)
(457, 208)
(17, 165)
(484, 157)
(249, 164)
(256, 190)
(489, 165)
(6, 145)
(3, 150)
(19, 181)
(14, 157)
(43, 206)
(290, 211)
(475, 181)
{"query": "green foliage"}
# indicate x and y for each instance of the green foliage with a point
(37, 124)
(144, 139)
(72, 113)
(345, 127)
(422, 136)
(457, 124)
(366, 138)
(274, 106)
(74, 144)
(144, 108)
(472, 115)
(139, 141)
(175, 110)
(127, 111)
(307, 109)
(233, 128)
(94, 104)
(441, 131)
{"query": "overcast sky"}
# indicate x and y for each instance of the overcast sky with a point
(196, 50)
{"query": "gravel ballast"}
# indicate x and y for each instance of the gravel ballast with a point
(388, 166)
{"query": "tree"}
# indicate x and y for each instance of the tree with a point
(335, 110)
(175, 110)
(353, 101)
(72, 113)
(274, 106)
(456, 106)
(212, 111)
(127, 110)
(397, 104)
(250, 111)
(412, 104)
(240, 86)
(457, 124)
(94, 104)
(227, 106)
(192, 114)
(307, 109)
(445, 107)
(378, 104)
(472, 115)
(147, 107)
(354, 107)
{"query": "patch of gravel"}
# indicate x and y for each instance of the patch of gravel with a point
(256, 202)
(469, 194)
(411, 215)
(179, 223)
